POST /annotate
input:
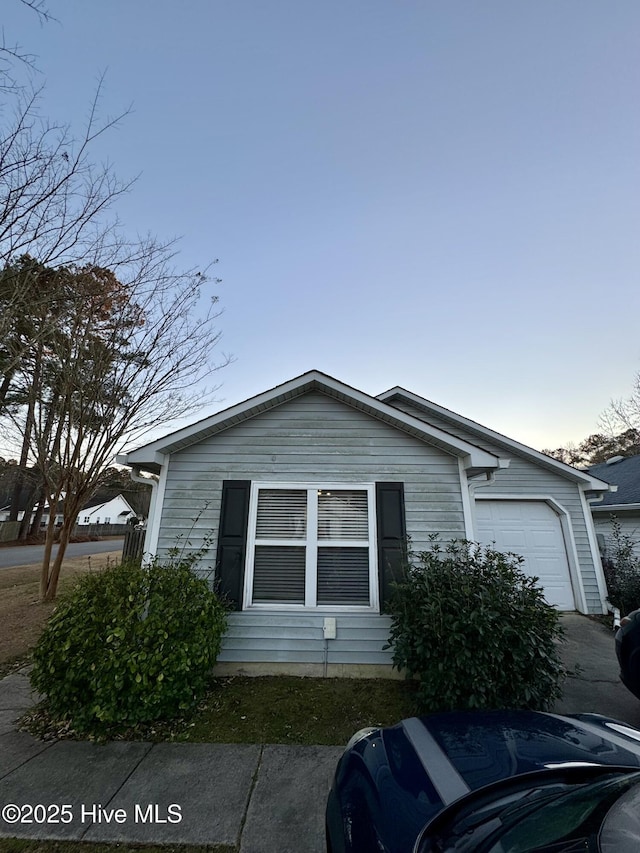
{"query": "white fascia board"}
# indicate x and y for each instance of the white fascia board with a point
(140, 458)
(615, 507)
(592, 483)
(154, 452)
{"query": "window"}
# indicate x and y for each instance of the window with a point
(107, 519)
(87, 519)
(311, 546)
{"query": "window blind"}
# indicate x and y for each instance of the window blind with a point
(279, 574)
(342, 514)
(282, 514)
(343, 575)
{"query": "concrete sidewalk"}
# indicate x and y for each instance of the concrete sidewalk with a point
(261, 798)
(264, 799)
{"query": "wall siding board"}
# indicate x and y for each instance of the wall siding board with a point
(524, 477)
(309, 438)
(260, 637)
(629, 526)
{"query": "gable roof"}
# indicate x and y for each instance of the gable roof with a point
(592, 482)
(623, 473)
(100, 499)
(150, 457)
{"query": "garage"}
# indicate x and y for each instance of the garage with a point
(533, 530)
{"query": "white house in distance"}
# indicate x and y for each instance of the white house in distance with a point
(308, 492)
(98, 510)
(116, 510)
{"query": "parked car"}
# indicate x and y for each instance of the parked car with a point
(628, 651)
(507, 781)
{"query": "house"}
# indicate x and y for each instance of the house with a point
(623, 504)
(308, 492)
(102, 509)
(5, 512)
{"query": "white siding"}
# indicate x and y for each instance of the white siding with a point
(524, 477)
(311, 438)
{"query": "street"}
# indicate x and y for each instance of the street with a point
(24, 555)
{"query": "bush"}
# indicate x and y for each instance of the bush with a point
(476, 631)
(129, 645)
(622, 571)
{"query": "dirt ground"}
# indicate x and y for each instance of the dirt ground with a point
(22, 616)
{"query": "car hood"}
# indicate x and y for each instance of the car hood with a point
(487, 747)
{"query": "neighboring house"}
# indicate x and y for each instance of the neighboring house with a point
(5, 512)
(308, 492)
(623, 504)
(101, 510)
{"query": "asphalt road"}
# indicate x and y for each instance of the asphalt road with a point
(25, 555)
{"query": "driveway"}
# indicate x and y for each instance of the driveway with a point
(597, 687)
(26, 555)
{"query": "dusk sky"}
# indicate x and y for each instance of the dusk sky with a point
(439, 195)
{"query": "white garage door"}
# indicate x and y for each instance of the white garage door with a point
(531, 529)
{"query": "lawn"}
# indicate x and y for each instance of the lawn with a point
(22, 616)
(276, 709)
(281, 709)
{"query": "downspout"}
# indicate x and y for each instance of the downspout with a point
(475, 482)
(147, 481)
(616, 614)
(468, 500)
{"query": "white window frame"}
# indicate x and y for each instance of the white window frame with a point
(311, 544)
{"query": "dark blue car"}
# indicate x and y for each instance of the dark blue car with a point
(628, 652)
(497, 781)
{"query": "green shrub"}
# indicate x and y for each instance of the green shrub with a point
(622, 571)
(129, 645)
(475, 631)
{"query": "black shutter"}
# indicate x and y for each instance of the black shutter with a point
(392, 536)
(232, 539)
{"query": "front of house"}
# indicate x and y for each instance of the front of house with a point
(305, 495)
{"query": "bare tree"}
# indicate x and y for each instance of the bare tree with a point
(623, 415)
(130, 352)
(101, 338)
(12, 54)
(53, 198)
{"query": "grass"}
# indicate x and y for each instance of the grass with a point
(22, 616)
(23, 845)
(278, 709)
(282, 709)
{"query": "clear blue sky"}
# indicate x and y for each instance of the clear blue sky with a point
(440, 195)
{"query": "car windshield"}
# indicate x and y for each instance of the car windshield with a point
(570, 821)
(559, 819)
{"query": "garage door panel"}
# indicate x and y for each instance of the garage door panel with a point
(533, 530)
(543, 539)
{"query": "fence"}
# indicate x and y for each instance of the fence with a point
(9, 530)
(100, 530)
(133, 544)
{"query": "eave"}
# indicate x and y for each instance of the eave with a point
(150, 457)
(587, 481)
